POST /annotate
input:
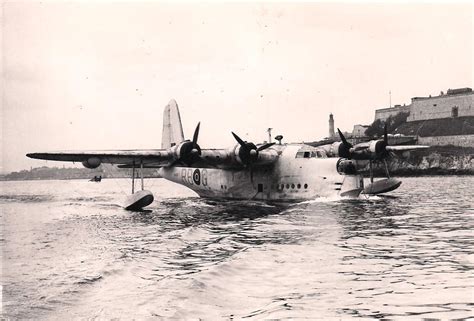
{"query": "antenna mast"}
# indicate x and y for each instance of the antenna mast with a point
(269, 130)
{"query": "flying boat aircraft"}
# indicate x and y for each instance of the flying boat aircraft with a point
(245, 171)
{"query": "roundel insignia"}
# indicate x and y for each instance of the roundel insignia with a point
(197, 177)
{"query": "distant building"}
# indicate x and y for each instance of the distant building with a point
(456, 103)
(446, 119)
(384, 113)
(359, 130)
(332, 134)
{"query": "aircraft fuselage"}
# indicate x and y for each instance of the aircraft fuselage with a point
(289, 179)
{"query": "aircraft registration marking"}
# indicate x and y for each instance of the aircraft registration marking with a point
(196, 177)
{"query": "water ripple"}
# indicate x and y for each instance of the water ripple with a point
(75, 253)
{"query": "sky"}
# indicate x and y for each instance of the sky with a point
(97, 75)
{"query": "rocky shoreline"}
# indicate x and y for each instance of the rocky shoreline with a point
(439, 161)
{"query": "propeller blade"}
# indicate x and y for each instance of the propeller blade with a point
(385, 134)
(343, 139)
(265, 146)
(240, 141)
(196, 134)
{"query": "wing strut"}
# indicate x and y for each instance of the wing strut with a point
(137, 201)
(133, 177)
(141, 173)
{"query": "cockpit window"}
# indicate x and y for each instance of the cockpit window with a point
(310, 154)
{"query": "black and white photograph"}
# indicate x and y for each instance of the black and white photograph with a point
(237, 160)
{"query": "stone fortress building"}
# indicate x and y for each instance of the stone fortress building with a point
(384, 113)
(456, 103)
(446, 119)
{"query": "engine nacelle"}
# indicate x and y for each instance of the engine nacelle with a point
(377, 146)
(376, 150)
(346, 167)
(337, 149)
(92, 162)
(263, 157)
(187, 152)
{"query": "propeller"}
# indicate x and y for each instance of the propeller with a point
(190, 151)
(346, 148)
(373, 151)
(248, 152)
(381, 145)
(196, 135)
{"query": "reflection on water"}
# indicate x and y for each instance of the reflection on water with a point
(72, 251)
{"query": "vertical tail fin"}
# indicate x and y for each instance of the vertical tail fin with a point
(172, 128)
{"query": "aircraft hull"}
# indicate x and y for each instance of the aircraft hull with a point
(308, 179)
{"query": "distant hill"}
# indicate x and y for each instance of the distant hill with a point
(438, 127)
(45, 173)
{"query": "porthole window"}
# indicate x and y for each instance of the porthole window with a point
(305, 185)
(299, 185)
(292, 186)
(287, 186)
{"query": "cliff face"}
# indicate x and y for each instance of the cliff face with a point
(434, 163)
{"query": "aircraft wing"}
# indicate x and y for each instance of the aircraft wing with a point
(361, 146)
(150, 158)
(153, 158)
(406, 147)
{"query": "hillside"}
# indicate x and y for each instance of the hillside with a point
(438, 127)
(44, 173)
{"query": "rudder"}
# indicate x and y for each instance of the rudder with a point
(172, 127)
